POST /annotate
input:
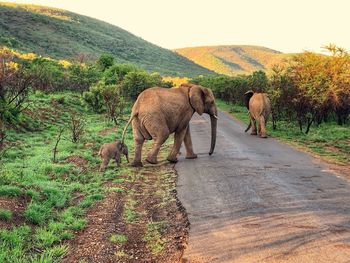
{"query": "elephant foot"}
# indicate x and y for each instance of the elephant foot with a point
(263, 135)
(253, 133)
(172, 160)
(192, 156)
(136, 164)
(151, 160)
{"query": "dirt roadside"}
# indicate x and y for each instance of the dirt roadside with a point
(143, 222)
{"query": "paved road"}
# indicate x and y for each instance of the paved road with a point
(257, 200)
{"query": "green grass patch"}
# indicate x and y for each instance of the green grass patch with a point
(9, 190)
(118, 238)
(153, 237)
(5, 215)
(129, 210)
(58, 194)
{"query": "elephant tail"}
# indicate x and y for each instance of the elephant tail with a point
(100, 151)
(133, 115)
(249, 125)
(247, 97)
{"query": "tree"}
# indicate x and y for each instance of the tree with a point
(105, 61)
(258, 81)
(106, 98)
(113, 101)
(15, 83)
(135, 82)
(82, 76)
(50, 74)
(116, 73)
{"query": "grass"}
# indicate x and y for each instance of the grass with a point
(328, 140)
(5, 215)
(53, 210)
(153, 237)
(122, 254)
(9, 190)
(129, 210)
(118, 238)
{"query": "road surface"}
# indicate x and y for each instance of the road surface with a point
(257, 200)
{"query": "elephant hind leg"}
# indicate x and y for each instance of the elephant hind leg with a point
(138, 141)
(263, 127)
(178, 139)
(159, 138)
(104, 164)
(253, 122)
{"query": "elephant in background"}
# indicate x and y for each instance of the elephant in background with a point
(159, 112)
(259, 107)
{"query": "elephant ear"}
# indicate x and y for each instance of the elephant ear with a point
(196, 97)
(247, 97)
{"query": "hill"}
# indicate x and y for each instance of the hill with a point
(233, 59)
(62, 34)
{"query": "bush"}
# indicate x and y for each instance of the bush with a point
(135, 82)
(106, 98)
(93, 98)
(116, 73)
(76, 126)
(82, 76)
(105, 61)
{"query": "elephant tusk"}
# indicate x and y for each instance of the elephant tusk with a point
(216, 117)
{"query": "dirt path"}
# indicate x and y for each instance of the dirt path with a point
(257, 200)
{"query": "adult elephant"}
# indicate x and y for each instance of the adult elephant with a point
(259, 107)
(159, 112)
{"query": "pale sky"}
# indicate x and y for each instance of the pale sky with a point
(284, 25)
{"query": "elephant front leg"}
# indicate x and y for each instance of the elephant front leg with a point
(188, 145)
(178, 139)
(117, 159)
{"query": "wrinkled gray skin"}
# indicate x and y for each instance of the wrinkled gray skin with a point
(159, 112)
(112, 150)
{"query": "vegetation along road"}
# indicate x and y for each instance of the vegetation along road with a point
(257, 200)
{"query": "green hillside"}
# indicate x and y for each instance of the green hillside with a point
(61, 34)
(233, 59)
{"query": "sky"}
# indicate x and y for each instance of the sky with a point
(284, 25)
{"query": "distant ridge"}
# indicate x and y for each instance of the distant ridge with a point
(233, 59)
(58, 33)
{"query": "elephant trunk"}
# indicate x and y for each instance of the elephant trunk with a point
(213, 121)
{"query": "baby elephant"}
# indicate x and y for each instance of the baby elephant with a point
(112, 150)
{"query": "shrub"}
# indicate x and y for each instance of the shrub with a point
(135, 82)
(93, 98)
(76, 126)
(106, 98)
